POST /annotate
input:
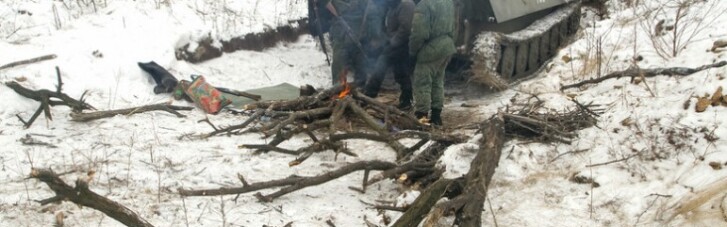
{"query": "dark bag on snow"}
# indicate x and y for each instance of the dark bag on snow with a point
(166, 82)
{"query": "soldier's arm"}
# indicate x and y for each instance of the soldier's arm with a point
(405, 17)
(419, 29)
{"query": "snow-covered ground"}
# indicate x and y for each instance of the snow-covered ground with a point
(665, 178)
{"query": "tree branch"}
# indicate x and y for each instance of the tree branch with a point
(83, 196)
(633, 72)
(85, 117)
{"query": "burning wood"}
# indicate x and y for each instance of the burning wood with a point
(344, 81)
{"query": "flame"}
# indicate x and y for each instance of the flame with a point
(346, 87)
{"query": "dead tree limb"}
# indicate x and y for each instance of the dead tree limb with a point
(258, 113)
(323, 178)
(240, 190)
(276, 127)
(481, 171)
(83, 196)
(634, 72)
(281, 137)
(423, 204)
(293, 183)
(28, 61)
(405, 120)
(470, 201)
(305, 152)
(47, 99)
(400, 149)
(90, 116)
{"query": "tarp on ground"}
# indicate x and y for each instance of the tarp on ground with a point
(284, 91)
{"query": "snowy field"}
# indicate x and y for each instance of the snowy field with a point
(655, 160)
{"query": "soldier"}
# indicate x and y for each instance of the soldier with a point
(347, 50)
(373, 38)
(432, 43)
(396, 53)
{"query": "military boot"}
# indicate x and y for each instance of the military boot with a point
(420, 115)
(436, 118)
(405, 100)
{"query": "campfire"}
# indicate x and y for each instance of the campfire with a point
(344, 81)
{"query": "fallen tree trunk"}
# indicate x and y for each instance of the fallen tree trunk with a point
(85, 117)
(470, 202)
(481, 170)
(83, 196)
(423, 204)
(636, 72)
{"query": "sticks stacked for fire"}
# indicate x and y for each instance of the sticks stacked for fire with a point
(328, 109)
(333, 111)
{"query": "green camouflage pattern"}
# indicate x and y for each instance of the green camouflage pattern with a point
(429, 85)
(432, 35)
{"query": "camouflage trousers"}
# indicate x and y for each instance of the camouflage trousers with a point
(429, 85)
(347, 55)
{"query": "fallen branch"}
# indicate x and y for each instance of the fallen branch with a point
(83, 196)
(44, 97)
(293, 183)
(85, 117)
(612, 161)
(470, 201)
(30, 141)
(423, 204)
(28, 61)
(634, 72)
(258, 113)
(481, 171)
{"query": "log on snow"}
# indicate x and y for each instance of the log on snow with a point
(85, 117)
(83, 196)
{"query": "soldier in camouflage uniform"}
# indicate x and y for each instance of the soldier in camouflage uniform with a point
(373, 38)
(347, 53)
(432, 42)
(396, 53)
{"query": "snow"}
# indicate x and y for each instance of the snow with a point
(141, 160)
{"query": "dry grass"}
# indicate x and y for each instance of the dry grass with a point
(675, 24)
(689, 206)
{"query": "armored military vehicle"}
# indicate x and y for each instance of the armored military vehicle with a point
(508, 40)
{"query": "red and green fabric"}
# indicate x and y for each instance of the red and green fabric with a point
(206, 96)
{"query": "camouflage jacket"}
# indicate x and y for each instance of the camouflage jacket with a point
(351, 11)
(398, 24)
(432, 35)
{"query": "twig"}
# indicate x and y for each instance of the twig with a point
(569, 152)
(611, 162)
(392, 208)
